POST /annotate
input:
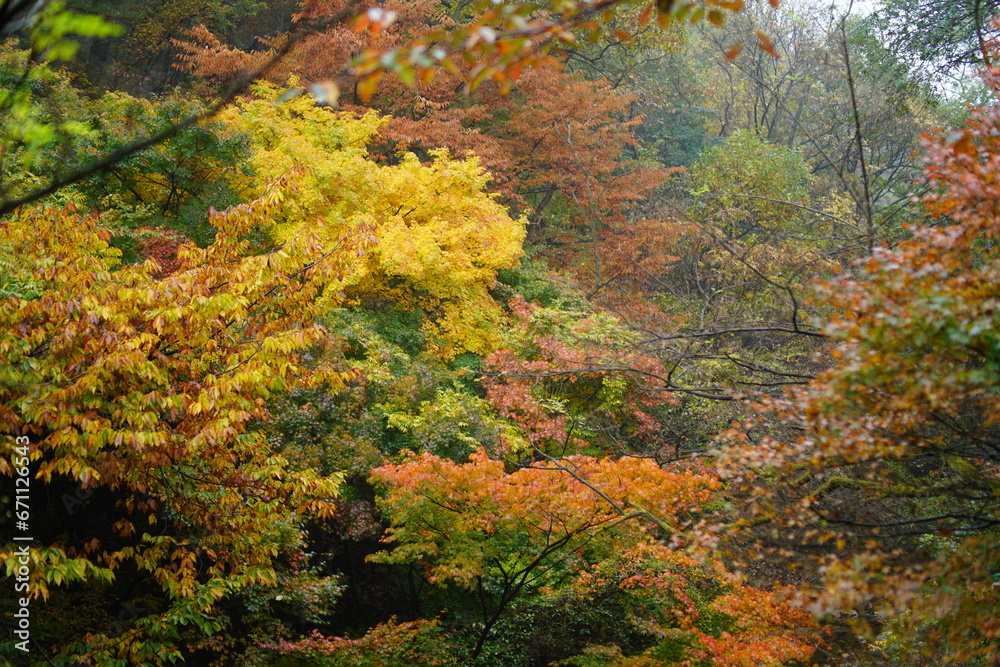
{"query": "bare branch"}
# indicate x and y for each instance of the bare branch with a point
(825, 214)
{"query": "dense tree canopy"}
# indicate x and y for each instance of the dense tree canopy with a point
(457, 332)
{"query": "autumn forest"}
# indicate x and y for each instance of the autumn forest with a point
(593, 333)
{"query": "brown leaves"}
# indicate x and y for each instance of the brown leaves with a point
(764, 44)
(894, 438)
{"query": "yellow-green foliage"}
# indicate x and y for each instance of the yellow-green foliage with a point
(439, 237)
(455, 424)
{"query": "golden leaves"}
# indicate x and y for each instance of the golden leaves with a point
(428, 235)
(147, 386)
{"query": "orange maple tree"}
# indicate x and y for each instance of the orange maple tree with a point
(587, 523)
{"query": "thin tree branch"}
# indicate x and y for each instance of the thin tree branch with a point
(831, 216)
(857, 132)
(300, 32)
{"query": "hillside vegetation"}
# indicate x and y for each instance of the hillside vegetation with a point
(447, 332)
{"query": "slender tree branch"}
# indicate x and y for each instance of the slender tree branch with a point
(300, 32)
(825, 214)
(983, 50)
(857, 132)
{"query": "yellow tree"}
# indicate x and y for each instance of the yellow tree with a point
(143, 389)
(437, 238)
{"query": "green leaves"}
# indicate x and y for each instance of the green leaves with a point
(744, 167)
(51, 36)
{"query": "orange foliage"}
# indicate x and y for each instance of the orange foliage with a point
(697, 613)
(595, 522)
